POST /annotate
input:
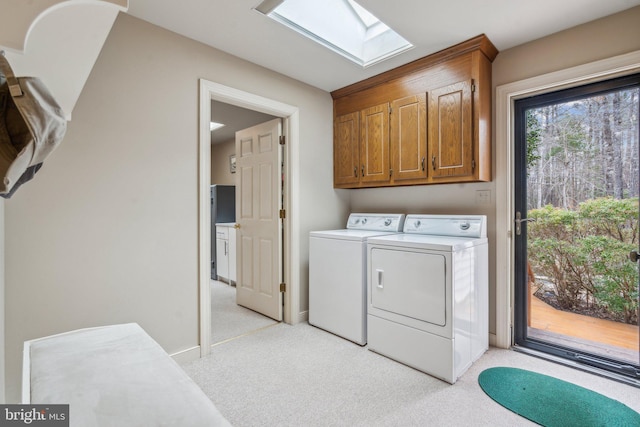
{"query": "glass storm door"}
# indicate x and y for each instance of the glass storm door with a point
(576, 223)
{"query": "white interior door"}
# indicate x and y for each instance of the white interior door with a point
(258, 199)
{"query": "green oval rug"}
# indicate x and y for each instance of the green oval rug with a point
(552, 402)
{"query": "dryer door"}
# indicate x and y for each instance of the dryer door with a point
(409, 283)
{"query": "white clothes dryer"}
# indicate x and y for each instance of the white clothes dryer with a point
(337, 274)
(428, 304)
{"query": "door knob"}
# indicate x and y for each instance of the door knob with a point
(236, 225)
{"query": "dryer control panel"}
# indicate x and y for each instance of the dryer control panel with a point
(376, 222)
(447, 225)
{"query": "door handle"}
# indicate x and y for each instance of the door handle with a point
(423, 163)
(519, 220)
(236, 225)
(380, 284)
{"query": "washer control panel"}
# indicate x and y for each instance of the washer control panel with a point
(376, 222)
(447, 225)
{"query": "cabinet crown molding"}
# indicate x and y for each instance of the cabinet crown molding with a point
(479, 43)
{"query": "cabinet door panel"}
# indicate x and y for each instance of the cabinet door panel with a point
(409, 137)
(346, 157)
(374, 143)
(451, 130)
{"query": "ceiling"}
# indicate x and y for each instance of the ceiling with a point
(234, 27)
(234, 119)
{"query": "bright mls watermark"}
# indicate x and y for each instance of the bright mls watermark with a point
(34, 415)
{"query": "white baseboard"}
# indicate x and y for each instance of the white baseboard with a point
(493, 341)
(187, 355)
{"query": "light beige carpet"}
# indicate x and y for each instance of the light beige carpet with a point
(303, 376)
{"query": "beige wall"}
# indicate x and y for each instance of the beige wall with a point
(107, 232)
(220, 171)
(604, 38)
(600, 39)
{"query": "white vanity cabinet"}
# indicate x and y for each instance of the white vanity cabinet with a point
(226, 252)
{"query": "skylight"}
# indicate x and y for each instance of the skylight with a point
(343, 26)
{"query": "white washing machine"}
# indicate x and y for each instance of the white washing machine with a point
(428, 304)
(338, 275)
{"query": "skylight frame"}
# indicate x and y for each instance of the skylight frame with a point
(371, 32)
(366, 17)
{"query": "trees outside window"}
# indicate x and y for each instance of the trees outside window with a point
(582, 190)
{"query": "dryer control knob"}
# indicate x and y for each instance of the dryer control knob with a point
(364, 221)
(387, 222)
(417, 223)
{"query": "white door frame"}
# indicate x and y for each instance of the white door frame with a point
(505, 97)
(213, 91)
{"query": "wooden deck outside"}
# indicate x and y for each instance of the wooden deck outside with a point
(548, 319)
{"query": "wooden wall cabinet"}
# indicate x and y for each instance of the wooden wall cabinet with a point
(408, 140)
(451, 131)
(346, 149)
(364, 141)
(374, 144)
(361, 147)
(426, 122)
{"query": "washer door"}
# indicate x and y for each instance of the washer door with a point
(409, 283)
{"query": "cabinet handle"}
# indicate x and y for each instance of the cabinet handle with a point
(433, 162)
(423, 163)
(226, 248)
(362, 170)
(355, 171)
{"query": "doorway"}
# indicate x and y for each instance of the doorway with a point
(213, 91)
(229, 319)
(576, 221)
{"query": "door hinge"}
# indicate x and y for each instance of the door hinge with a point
(282, 140)
(283, 287)
(283, 214)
